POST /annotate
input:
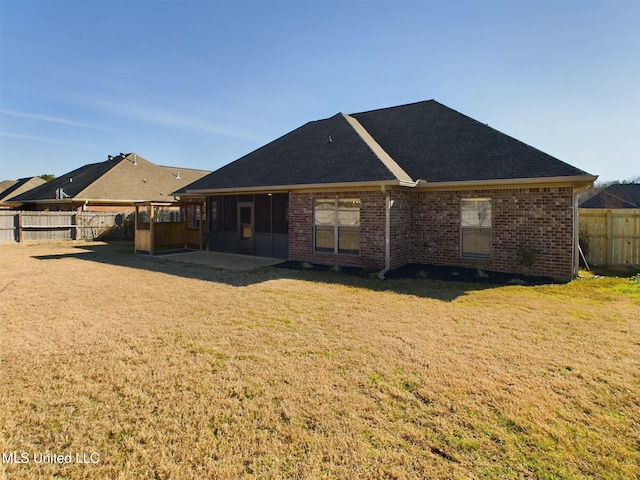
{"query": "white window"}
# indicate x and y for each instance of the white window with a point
(337, 225)
(475, 227)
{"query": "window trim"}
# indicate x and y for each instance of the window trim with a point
(489, 228)
(336, 227)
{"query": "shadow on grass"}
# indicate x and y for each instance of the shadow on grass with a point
(625, 271)
(441, 283)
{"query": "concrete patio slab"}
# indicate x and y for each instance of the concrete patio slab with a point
(227, 261)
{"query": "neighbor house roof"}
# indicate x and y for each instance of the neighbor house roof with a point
(424, 141)
(623, 195)
(12, 188)
(124, 178)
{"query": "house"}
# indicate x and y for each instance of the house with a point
(416, 183)
(12, 188)
(113, 185)
(621, 195)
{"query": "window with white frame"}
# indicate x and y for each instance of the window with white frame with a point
(475, 227)
(337, 225)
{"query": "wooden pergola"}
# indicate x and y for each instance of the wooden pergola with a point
(168, 226)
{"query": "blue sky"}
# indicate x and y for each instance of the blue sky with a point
(200, 83)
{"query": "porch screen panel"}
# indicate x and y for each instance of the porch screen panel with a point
(325, 219)
(143, 216)
(280, 215)
(215, 213)
(475, 225)
(230, 213)
(263, 213)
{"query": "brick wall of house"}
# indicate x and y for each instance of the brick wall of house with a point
(401, 228)
(52, 207)
(108, 208)
(300, 226)
(539, 217)
(372, 221)
(425, 228)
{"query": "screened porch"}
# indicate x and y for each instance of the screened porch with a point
(161, 227)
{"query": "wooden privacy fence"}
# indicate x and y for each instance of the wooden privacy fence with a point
(19, 226)
(610, 236)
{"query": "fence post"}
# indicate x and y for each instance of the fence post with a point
(152, 232)
(19, 227)
(135, 229)
(199, 211)
(636, 239)
(609, 238)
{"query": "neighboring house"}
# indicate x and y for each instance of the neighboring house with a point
(12, 188)
(114, 185)
(622, 195)
(417, 183)
(610, 226)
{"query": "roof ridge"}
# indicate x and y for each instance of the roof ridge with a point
(398, 106)
(378, 151)
(174, 167)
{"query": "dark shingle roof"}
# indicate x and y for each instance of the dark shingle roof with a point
(623, 195)
(424, 140)
(323, 151)
(438, 144)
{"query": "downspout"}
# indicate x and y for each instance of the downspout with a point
(575, 267)
(387, 233)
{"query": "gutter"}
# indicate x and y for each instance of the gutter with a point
(581, 182)
(311, 187)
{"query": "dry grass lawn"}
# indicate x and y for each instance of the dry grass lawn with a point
(171, 371)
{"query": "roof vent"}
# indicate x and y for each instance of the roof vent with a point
(60, 195)
(109, 157)
(330, 139)
(122, 155)
(135, 159)
(178, 175)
